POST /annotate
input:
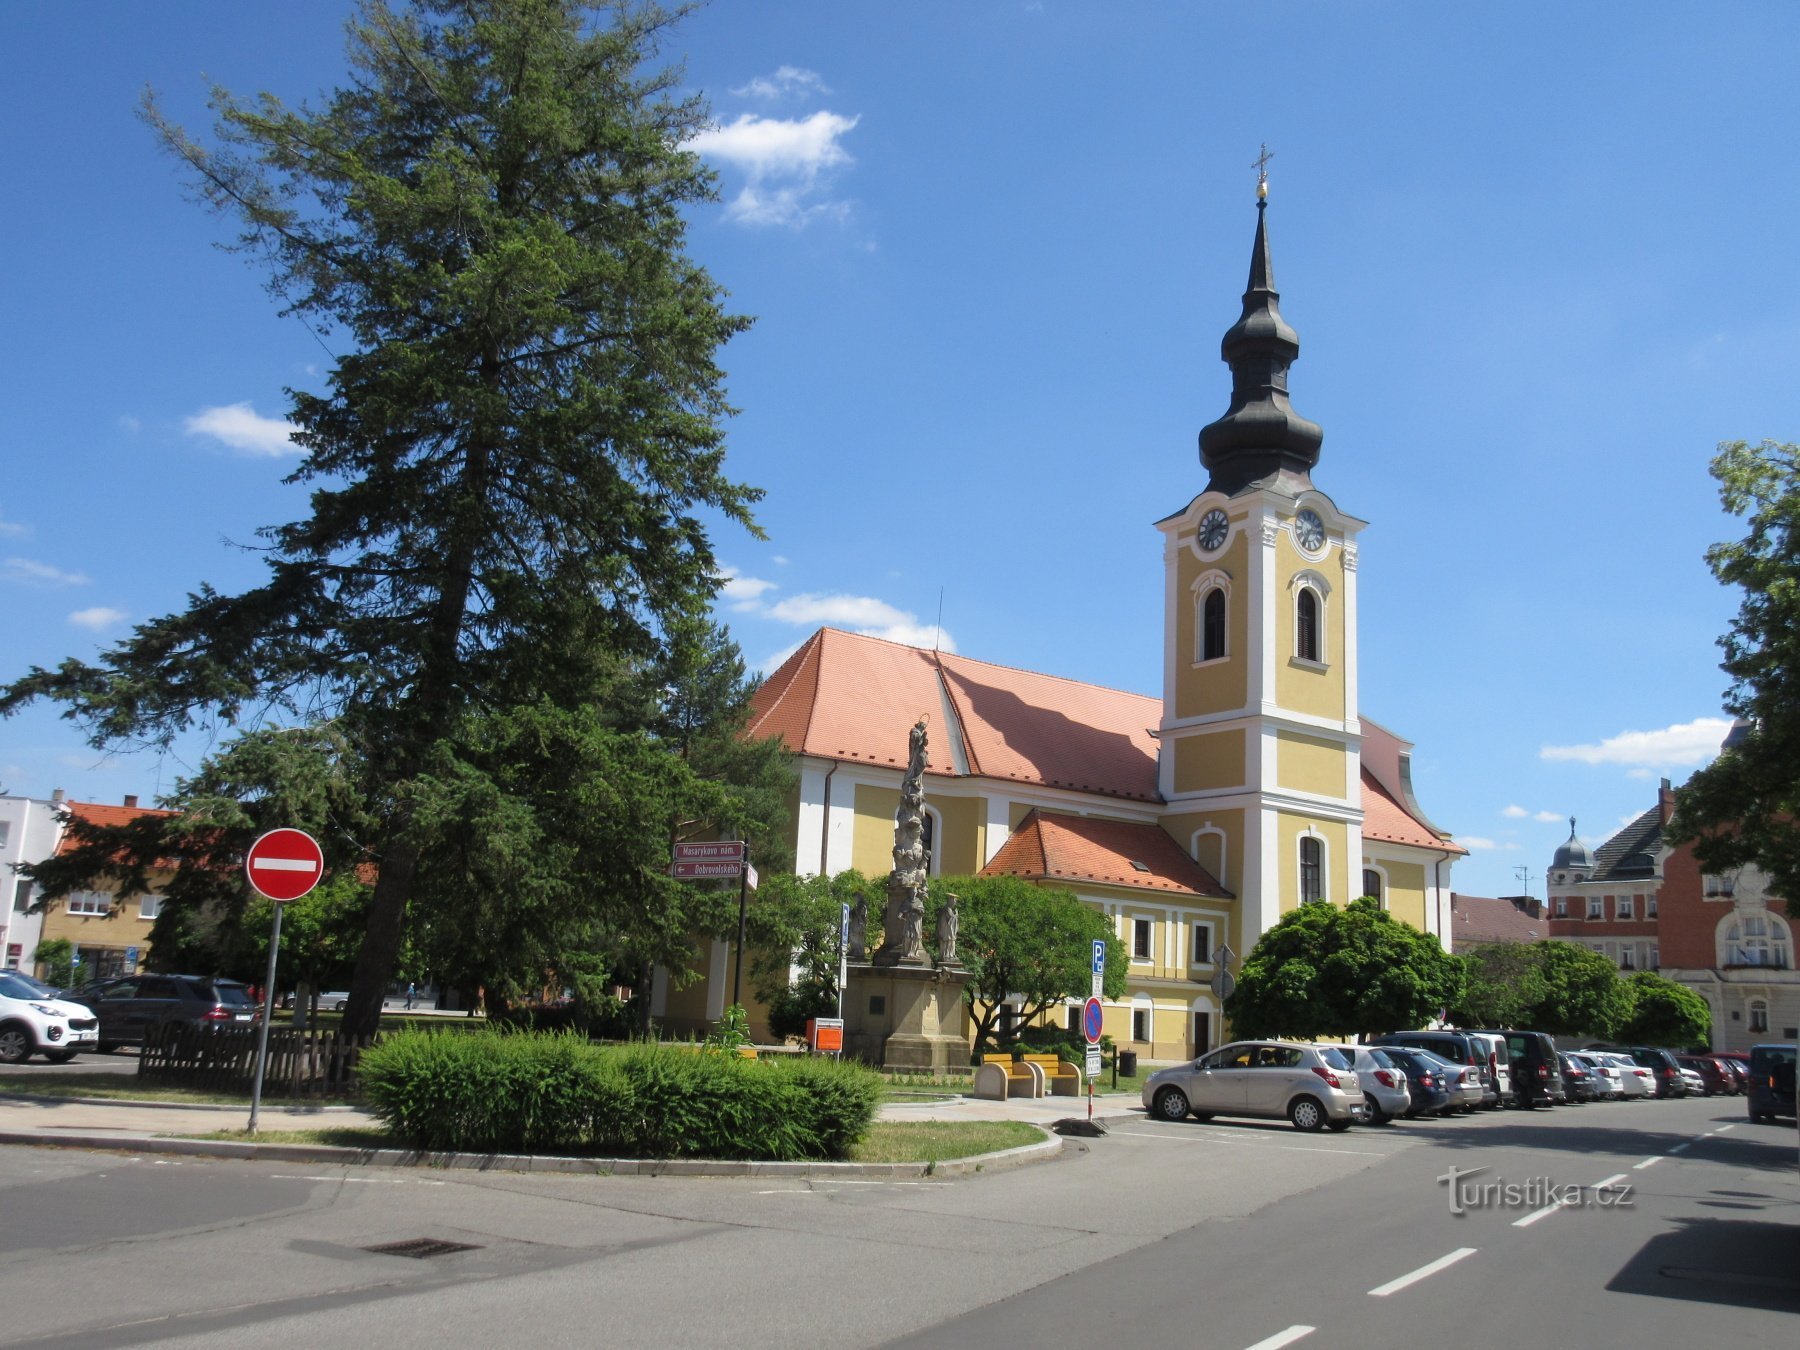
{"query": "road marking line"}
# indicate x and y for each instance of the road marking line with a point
(1648, 1162)
(1537, 1214)
(1679, 1148)
(1724, 1128)
(1395, 1286)
(1602, 1185)
(1219, 1138)
(1282, 1338)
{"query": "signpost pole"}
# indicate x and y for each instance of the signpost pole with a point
(737, 974)
(262, 1037)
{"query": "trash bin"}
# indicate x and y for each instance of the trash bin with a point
(1128, 1063)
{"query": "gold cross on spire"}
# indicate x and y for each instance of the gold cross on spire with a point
(1261, 165)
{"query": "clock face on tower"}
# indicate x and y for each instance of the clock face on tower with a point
(1309, 531)
(1213, 528)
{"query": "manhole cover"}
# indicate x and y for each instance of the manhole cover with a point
(420, 1248)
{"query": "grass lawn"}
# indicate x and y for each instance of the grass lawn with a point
(888, 1141)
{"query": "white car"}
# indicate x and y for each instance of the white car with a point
(33, 1020)
(1634, 1079)
(1696, 1085)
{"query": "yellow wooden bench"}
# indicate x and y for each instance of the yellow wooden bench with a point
(1062, 1078)
(1000, 1077)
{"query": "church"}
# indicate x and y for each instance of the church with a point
(1193, 820)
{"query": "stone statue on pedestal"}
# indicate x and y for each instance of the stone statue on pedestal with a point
(903, 921)
(857, 947)
(948, 919)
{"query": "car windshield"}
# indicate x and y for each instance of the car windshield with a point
(235, 995)
(13, 984)
(1337, 1057)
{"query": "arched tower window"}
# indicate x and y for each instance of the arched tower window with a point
(1312, 869)
(1212, 625)
(1372, 884)
(1306, 624)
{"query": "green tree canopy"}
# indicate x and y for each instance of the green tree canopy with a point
(1501, 980)
(1326, 971)
(1577, 992)
(1742, 807)
(1023, 943)
(514, 450)
(1665, 1013)
(792, 936)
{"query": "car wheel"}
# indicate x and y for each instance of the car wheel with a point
(1376, 1115)
(16, 1045)
(1306, 1114)
(1171, 1104)
(339, 1006)
(59, 1056)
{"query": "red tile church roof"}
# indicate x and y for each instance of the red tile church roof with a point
(1052, 847)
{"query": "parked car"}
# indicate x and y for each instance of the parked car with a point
(1715, 1079)
(1607, 1086)
(132, 1008)
(1692, 1082)
(1536, 1071)
(1467, 1088)
(334, 1000)
(1635, 1080)
(1739, 1070)
(34, 1021)
(1499, 1062)
(1383, 1081)
(1663, 1069)
(1426, 1082)
(1771, 1081)
(1580, 1083)
(1457, 1047)
(1312, 1085)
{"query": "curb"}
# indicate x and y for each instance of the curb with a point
(1003, 1160)
(240, 1107)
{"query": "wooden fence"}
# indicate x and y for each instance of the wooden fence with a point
(308, 1063)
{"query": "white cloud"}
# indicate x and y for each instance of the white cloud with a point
(786, 82)
(1476, 843)
(8, 530)
(786, 162)
(96, 618)
(860, 614)
(239, 426)
(744, 594)
(39, 574)
(1547, 817)
(130, 424)
(1516, 812)
(1681, 745)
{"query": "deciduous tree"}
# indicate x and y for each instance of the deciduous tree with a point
(1742, 807)
(1024, 944)
(1578, 992)
(1326, 971)
(1665, 1013)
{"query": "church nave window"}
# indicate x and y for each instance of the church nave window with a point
(1306, 625)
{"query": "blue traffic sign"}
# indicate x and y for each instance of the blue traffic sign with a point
(1093, 1020)
(1099, 956)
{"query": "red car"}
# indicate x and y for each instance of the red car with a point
(1718, 1079)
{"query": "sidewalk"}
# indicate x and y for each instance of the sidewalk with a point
(70, 1122)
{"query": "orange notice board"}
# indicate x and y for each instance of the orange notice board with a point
(825, 1035)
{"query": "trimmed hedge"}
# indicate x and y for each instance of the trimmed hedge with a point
(495, 1092)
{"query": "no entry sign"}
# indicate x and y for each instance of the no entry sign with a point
(284, 864)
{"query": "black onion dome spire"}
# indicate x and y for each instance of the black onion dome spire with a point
(1260, 439)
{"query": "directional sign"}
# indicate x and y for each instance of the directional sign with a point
(691, 871)
(284, 864)
(724, 850)
(1093, 1019)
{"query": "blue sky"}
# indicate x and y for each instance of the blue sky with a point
(1540, 258)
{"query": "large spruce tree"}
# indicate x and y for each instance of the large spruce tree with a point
(509, 461)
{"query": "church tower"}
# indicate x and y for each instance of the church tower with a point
(1260, 745)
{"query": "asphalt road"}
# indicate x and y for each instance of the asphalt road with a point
(1216, 1235)
(121, 1061)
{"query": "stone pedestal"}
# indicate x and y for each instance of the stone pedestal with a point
(907, 1016)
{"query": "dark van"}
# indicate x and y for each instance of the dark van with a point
(1536, 1070)
(1771, 1087)
(1456, 1047)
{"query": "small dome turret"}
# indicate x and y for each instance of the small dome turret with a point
(1573, 855)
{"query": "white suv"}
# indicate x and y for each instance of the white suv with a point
(34, 1021)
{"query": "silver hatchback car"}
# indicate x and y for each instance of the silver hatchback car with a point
(1314, 1086)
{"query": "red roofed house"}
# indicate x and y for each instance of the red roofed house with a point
(110, 932)
(1478, 919)
(1194, 818)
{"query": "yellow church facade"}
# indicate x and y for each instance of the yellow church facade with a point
(1193, 820)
